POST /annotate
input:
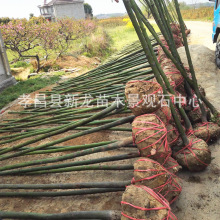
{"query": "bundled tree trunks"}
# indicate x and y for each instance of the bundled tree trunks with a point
(58, 194)
(67, 185)
(94, 215)
(112, 146)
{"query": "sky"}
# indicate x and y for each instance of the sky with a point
(23, 8)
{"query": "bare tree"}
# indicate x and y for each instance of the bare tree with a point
(194, 2)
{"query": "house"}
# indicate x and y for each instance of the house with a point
(63, 8)
(6, 79)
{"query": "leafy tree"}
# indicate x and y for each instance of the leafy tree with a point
(31, 15)
(88, 9)
(5, 20)
(23, 36)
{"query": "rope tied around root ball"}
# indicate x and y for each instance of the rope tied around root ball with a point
(150, 173)
(195, 156)
(150, 135)
(140, 202)
(147, 96)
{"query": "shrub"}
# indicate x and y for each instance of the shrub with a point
(99, 44)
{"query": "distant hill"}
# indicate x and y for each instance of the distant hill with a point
(104, 16)
(199, 5)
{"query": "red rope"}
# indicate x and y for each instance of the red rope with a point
(159, 198)
(189, 150)
(163, 171)
(158, 128)
(207, 129)
(171, 160)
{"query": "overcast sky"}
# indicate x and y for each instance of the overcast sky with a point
(22, 8)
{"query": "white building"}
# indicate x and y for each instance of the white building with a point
(63, 8)
(6, 79)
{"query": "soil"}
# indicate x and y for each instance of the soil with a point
(82, 63)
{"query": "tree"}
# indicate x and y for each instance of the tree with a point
(21, 37)
(31, 15)
(88, 9)
(5, 20)
(146, 8)
(194, 2)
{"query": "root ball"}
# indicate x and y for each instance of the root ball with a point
(143, 96)
(140, 202)
(195, 157)
(150, 173)
(150, 135)
(208, 132)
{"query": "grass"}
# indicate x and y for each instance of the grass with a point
(25, 87)
(20, 64)
(123, 35)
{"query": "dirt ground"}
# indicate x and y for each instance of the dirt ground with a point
(82, 63)
(201, 191)
(201, 33)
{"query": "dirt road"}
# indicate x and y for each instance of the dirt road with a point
(200, 197)
(201, 33)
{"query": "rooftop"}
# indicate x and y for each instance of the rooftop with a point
(60, 2)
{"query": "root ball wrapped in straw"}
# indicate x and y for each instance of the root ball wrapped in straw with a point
(196, 156)
(141, 202)
(143, 96)
(150, 173)
(208, 131)
(162, 56)
(150, 135)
